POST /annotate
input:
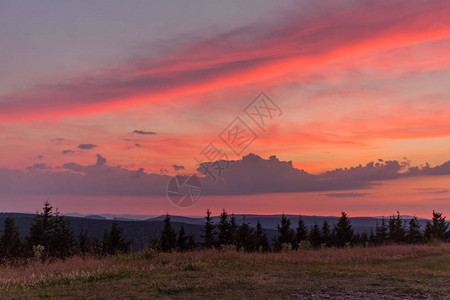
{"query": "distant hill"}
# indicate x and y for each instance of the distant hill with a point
(97, 217)
(113, 216)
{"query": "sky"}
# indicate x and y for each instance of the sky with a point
(343, 105)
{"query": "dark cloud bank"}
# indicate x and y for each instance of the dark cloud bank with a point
(250, 175)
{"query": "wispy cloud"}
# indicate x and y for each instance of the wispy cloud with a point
(345, 195)
(142, 132)
(307, 38)
(67, 151)
(86, 146)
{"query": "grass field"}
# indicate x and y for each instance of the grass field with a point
(389, 271)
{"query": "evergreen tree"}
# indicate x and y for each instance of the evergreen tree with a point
(233, 229)
(372, 238)
(62, 240)
(245, 238)
(414, 234)
(437, 228)
(83, 242)
(286, 234)
(10, 243)
(168, 239)
(224, 234)
(209, 234)
(262, 244)
(301, 231)
(326, 235)
(115, 239)
(342, 231)
(192, 242)
(182, 240)
(356, 241)
(381, 234)
(106, 244)
(396, 229)
(41, 230)
(361, 239)
(315, 236)
(53, 232)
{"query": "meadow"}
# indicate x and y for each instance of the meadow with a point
(392, 271)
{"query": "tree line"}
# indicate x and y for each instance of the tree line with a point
(243, 237)
(50, 236)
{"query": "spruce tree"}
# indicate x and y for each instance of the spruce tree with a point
(83, 242)
(437, 228)
(10, 243)
(51, 231)
(342, 231)
(315, 236)
(116, 241)
(224, 234)
(262, 244)
(326, 234)
(41, 230)
(414, 234)
(381, 233)
(356, 241)
(286, 234)
(372, 238)
(301, 231)
(192, 242)
(363, 239)
(209, 234)
(168, 240)
(106, 244)
(182, 240)
(396, 229)
(62, 240)
(233, 229)
(245, 238)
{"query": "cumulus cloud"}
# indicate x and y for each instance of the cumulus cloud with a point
(428, 170)
(86, 146)
(254, 174)
(76, 179)
(100, 160)
(250, 175)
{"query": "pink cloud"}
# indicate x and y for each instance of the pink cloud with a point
(242, 56)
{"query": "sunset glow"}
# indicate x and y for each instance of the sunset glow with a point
(357, 82)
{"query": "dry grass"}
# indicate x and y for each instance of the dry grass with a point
(413, 271)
